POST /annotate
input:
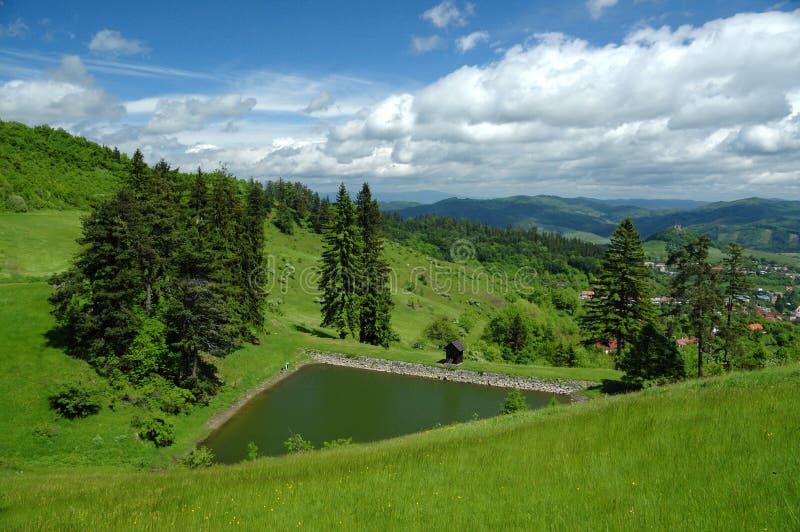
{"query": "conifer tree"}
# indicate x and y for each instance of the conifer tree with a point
(253, 254)
(621, 304)
(341, 268)
(735, 277)
(695, 287)
(376, 299)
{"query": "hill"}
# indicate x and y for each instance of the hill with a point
(713, 454)
(762, 224)
(45, 168)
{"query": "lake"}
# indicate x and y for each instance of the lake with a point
(323, 403)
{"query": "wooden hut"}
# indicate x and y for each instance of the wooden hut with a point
(454, 352)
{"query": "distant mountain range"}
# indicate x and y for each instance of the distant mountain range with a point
(44, 168)
(765, 224)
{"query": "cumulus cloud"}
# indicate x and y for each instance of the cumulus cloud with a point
(320, 102)
(174, 115)
(468, 42)
(67, 96)
(426, 44)
(112, 42)
(702, 107)
(18, 28)
(596, 7)
(448, 13)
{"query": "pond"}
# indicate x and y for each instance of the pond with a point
(323, 403)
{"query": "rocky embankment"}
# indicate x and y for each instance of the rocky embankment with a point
(449, 373)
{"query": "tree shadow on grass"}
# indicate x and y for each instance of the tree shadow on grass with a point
(58, 337)
(313, 331)
(616, 387)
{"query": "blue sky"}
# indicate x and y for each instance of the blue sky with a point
(603, 98)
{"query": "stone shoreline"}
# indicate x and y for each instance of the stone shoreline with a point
(498, 380)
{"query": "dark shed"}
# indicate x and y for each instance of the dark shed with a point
(454, 352)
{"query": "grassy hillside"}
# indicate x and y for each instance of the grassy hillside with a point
(45, 168)
(717, 454)
(35, 245)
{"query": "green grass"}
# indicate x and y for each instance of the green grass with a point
(33, 438)
(718, 454)
(36, 245)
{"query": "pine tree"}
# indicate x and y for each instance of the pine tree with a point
(253, 254)
(199, 319)
(695, 287)
(653, 356)
(341, 268)
(376, 299)
(621, 305)
(735, 277)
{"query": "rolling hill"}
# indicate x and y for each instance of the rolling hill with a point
(45, 168)
(757, 223)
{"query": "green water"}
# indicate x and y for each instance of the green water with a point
(323, 403)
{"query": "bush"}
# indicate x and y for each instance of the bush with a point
(158, 430)
(339, 442)
(514, 402)
(202, 457)
(441, 331)
(76, 400)
(297, 444)
(252, 451)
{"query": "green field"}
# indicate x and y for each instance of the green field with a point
(33, 437)
(710, 455)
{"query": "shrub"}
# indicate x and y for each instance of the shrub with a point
(441, 331)
(514, 402)
(339, 442)
(46, 430)
(202, 457)
(157, 430)
(76, 400)
(297, 444)
(252, 451)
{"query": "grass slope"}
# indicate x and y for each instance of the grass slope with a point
(36, 245)
(32, 437)
(717, 454)
(45, 168)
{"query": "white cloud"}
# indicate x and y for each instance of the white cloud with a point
(447, 13)
(596, 7)
(426, 44)
(175, 115)
(320, 102)
(18, 28)
(68, 96)
(468, 42)
(112, 42)
(666, 111)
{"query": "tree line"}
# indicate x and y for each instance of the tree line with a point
(162, 286)
(704, 303)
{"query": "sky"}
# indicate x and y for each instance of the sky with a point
(596, 98)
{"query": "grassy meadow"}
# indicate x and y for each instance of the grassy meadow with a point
(34, 438)
(713, 454)
(719, 454)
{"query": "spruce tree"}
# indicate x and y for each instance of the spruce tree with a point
(734, 274)
(652, 357)
(376, 299)
(695, 287)
(621, 304)
(253, 254)
(340, 277)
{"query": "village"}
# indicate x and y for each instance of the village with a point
(762, 303)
